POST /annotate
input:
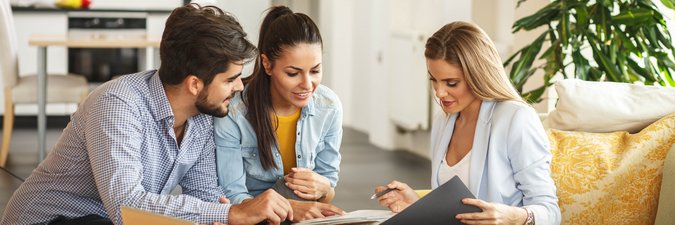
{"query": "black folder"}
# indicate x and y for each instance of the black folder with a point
(439, 207)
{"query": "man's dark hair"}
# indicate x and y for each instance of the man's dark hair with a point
(201, 41)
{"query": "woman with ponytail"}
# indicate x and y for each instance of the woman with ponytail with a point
(284, 130)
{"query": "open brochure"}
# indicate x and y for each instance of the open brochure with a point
(358, 216)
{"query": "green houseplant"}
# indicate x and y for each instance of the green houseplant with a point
(601, 40)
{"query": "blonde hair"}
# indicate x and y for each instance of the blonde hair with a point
(467, 46)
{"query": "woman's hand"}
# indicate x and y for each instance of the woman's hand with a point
(308, 184)
(493, 213)
(399, 199)
(310, 210)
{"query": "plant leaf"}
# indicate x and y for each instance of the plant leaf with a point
(539, 18)
(582, 17)
(669, 76)
(669, 3)
(581, 65)
(604, 61)
(665, 40)
(665, 74)
(625, 41)
(632, 17)
(522, 66)
(595, 73)
(650, 33)
(564, 24)
(603, 19)
(534, 96)
(640, 71)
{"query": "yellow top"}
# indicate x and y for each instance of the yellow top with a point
(286, 139)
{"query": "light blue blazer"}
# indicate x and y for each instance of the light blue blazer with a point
(510, 159)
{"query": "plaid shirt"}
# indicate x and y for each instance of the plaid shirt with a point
(120, 149)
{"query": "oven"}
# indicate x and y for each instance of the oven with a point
(99, 65)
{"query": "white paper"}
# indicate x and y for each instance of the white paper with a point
(358, 216)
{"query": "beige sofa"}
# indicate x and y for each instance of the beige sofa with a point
(666, 212)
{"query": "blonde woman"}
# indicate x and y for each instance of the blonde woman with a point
(487, 136)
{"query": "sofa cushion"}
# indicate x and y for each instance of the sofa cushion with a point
(608, 106)
(610, 178)
(665, 214)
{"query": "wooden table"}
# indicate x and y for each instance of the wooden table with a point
(44, 41)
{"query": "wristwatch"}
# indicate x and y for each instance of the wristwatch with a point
(530, 217)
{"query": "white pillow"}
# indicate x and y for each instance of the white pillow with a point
(602, 107)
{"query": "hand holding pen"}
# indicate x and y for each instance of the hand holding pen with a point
(379, 194)
(396, 196)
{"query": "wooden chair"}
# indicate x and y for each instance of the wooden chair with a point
(23, 89)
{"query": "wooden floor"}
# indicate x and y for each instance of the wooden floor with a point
(363, 167)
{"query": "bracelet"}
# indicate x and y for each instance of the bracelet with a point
(530, 217)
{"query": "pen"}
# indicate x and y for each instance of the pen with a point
(379, 194)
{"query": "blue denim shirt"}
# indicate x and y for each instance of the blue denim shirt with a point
(317, 145)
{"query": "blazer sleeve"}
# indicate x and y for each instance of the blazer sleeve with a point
(528, 151)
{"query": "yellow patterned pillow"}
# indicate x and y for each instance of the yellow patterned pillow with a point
(610, 178)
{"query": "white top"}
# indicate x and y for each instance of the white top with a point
(460, 169)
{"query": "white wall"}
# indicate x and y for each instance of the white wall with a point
(136, 5)
(249, 14)
(336, 24)
(356, 36)
(495, 17)
(368, 68)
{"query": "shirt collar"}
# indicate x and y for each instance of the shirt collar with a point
(310, 109)
(161, 108)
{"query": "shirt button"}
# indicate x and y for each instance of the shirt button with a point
(298, 133)
(299, 157)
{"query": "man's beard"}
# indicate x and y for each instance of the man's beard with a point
(203, 106)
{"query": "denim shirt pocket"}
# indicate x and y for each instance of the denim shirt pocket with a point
(253, 166)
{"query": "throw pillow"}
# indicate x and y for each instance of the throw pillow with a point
(608, 106)
(610, 178)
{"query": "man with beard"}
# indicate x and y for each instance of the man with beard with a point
(136, 138)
